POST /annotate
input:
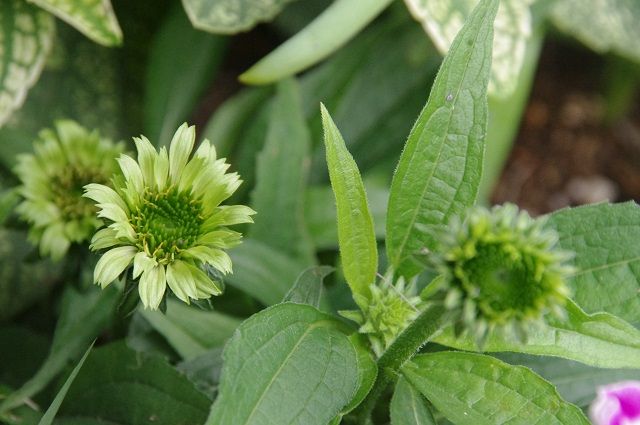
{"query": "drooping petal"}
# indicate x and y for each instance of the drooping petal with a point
(112, 264)
(215, 257)
(228, 216)
(205, 287)
(112, 212)
(142, 263)
(104, 238)
(179, 151)
(54, 242)
(152, 285)
(104, 195)
(146, 158)
(181, 281)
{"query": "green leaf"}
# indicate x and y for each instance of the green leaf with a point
(473, 389)
(189, 331)
(328, 32)
(603, 25)
(50, 414)
(283, 164)
(82, 319)
(119, 386)
(182, 62)
(575, 381)
(231, 16)
(204, 370)
(358, 249)
(93, 18)
(303, 369)
(308, 286)
(225, 126)
(440, 168)
(408, 406)
(600, 340)
(320, 214)
(262, 272)
(26, 33)
(605, 240)
(367, 372)
(442, 19)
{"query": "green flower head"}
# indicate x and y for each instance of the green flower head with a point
(53, 177)
(387, 313)
(500, 269)
(166, 220)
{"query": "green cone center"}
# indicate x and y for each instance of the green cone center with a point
(67, 188)
(505, 282)
(167, 223)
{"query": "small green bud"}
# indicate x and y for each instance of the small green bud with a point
(53, 177)
(501, 270)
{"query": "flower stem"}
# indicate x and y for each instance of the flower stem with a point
(428, 324)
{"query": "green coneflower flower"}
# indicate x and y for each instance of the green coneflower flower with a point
(501, 270)
(64, 160)
(165, 218)
(388, 312)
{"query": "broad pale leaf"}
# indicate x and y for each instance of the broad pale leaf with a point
(603, 25)
(442, 19)
(600, 340)
(282, 170)
(474, 389)
(408, 406)
(342, 20)
(289, 364)
(93, 18)
(605, 239)
(120, 386)
(575, 381)
(191, 332)
(26, 35)
(358, 249)
(440, 168)
(308, 286)
(231, 16)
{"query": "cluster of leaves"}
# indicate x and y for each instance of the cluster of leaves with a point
(296, 361)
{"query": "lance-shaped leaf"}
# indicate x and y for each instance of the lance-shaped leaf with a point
(440, 168)
(26, 34)
(442, 19)
(93, 18)
(473, 389)
(303, 369)
(356, 235)
(231, 16)
(605, 239)
(600, 340)
(282, 169)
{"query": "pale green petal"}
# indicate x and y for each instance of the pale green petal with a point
(181, 281)
(161, 169)
(152, 285)
(179, 151)
(132, 172)
(104, 238)
(142, 263)
(69, 131)
(54, 242)
(216, 257)
(222, 238)
(228, 215)
(146, 158)
(190, 172)
(40, 212)
(112, 212)
(229, 183)
(104, 195)
(112, 264)
(124, 230)
(206, 150)
(205, 287)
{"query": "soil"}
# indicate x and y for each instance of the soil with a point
(569, 151)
